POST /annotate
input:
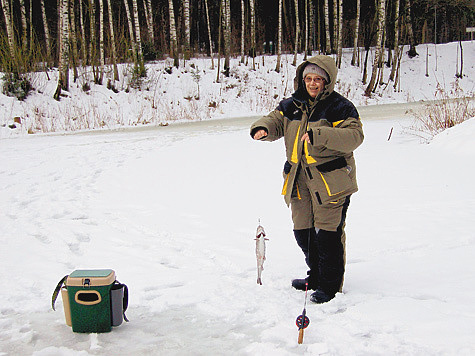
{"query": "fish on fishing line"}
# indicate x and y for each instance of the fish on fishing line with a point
(260, 251)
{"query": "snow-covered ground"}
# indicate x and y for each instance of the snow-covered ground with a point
(173, 210)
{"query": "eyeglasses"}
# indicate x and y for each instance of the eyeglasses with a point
(309, 80)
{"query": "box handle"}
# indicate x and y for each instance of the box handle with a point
(87, 297)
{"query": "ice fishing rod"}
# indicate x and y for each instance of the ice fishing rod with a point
(302, 320)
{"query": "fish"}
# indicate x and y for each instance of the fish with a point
(260, 251)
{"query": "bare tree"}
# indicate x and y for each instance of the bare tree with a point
(83, 34)
(297, 30)
(112, 40)
(253, 32)
(412, 42)
(101, 42)
(209, 34)
(147, 4)
(131, 31)
(138, 41)
(9, 25)
(279, 39)
(396, 41)
(186, 15)
(24, 26)
(355, 59)
(328, 44)
(73, 40)
(173, 39)
(335, 27)
(379, 46)
(227, 35)
(46, 29)
(306, 30)
(340, 33)
(243, 28)
(63, 80)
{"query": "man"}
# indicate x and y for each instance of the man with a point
(321, 129)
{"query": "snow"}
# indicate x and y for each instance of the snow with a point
(174, 211)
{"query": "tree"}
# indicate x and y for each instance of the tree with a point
(381, 11)
(396, 41)
(355, 59)
(138, 41)
(63, 80)
(112, 40)
(209, 34)
(173, 40)
(253, 32)
(279, 39)
(327, 28)
(9, 25)
(24, 26)
(412, 42)
(243, 28)
(101, 42)
(131, 31)
(186, 15)
(83, 34)
(73, 40)
(297, 30)
(149, 19)
(46, 30)
(340, 33)
(227, 35)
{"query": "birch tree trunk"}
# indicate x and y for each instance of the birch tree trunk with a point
(306, 30)
(297, 30)
(74, 42)
(355, 59)
(101, 42)
(396, 41)
(209, 34)
(186, 15)
(253, 32)
(328, 44)
(47, 36)
(412, 43)
(279, 39)
(149, 19)
(131, 31)
(83, 34)
(243, 28)
(138, 41)
(9, 25)
(335, 27)
(63, 81)
(379, 47)
(340, 33)
(227, 36)
(173, 39)
(92, 36)
(112, 40)
(24, 26)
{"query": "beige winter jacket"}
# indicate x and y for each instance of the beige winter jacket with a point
(335, 130)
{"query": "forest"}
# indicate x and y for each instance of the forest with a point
(41, 34)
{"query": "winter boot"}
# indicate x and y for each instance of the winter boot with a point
(320, 297)
(300, 284)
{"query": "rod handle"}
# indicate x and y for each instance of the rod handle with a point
(300, 336)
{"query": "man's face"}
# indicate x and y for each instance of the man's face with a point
(314, 84)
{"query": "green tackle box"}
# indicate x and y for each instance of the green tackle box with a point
(89, 295)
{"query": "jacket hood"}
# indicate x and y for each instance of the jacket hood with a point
(326, 63)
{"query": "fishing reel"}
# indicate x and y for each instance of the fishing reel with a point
(302, 321)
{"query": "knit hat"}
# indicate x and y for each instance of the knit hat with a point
(313, 68)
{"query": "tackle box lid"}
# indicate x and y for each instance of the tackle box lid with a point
(91, 277)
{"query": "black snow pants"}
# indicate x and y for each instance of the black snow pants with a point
(324, 254)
